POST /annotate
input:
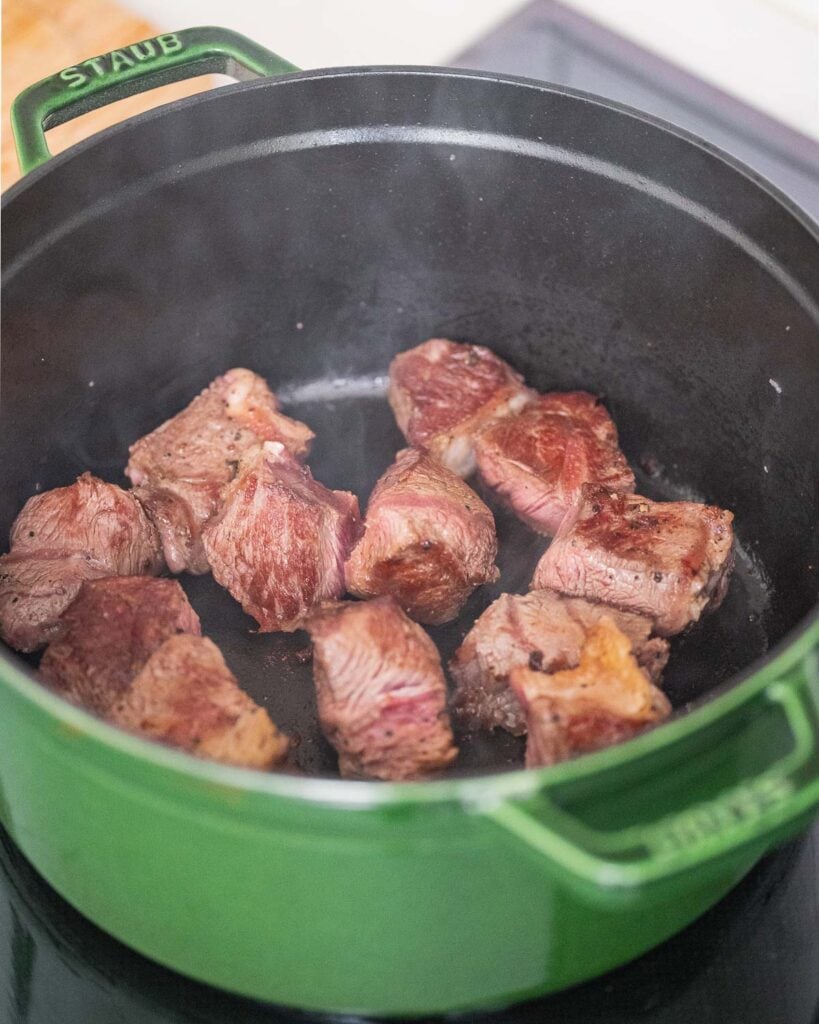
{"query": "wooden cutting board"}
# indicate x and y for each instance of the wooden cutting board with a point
(41, 37)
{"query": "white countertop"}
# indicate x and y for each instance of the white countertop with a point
(766, 52)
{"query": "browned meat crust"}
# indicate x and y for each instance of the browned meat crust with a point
(187, 697)
(542, 630)
(107, 634)
(429, 540)
(668, 560)
(381, 691)
(604, 700)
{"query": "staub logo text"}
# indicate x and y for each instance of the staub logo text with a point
(121, 60)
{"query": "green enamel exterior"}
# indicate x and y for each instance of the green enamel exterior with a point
(100, 80)
(408, 898)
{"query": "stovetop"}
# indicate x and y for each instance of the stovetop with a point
(752, 959)
(553, 43)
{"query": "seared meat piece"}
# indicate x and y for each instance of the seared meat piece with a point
(381, 691)
(107, 634)
(669, 560)
(605, 700)
(545, 631)
(187, 697)
(539, 460)
(180, 469)
(443, 392)
(61, 538)
(280, 541)
(429, 540)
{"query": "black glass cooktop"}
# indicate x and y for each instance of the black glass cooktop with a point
(753, 959)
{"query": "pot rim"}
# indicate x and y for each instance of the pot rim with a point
(496, 786)
(422, 70)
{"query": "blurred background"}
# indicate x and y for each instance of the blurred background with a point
(763, 54)
(764, 51)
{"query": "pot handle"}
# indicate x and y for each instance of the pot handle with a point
(771, 753)
(92, 83)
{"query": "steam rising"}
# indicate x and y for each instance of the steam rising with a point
(329, 389)
(442, 137)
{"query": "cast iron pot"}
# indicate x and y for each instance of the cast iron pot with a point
(309, 227)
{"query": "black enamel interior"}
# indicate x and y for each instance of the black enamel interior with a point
(311, 228)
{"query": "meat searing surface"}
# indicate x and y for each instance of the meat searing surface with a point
(180, 469)
(281, 539)
(186, 696)
(539, 460)
(62, 537)
(381, 691)
(668, 560)
(107, 634)
(428, 540)
(442, 392)
(604, 700)
(543, 630)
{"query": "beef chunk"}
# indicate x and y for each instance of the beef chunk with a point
(539, 460)
(607, 698)
(180, 469)
(187, 697)
(280, 541)
(107, 634)
(668, 560)
(429, 540)
(443, 392)
(85, 531)
(544, 631)
(381, 691)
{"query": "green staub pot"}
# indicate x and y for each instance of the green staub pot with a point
(386, 898)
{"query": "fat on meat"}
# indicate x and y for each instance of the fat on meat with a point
(280, 540)
(381, 691)
(539, 460)
(180, 469)
(62, 538)
(186, 696)
(542, 630)
(428, 540)
(605, 699)
(443, 392)
(668, 560)
(107, 634)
